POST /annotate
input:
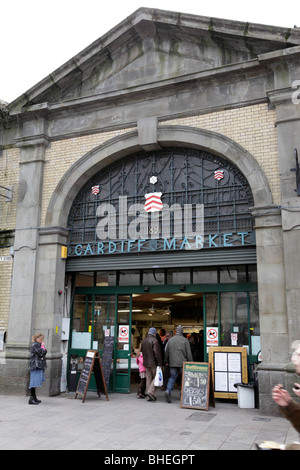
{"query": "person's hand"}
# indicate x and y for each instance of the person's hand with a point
(280, 396)
(296, 390)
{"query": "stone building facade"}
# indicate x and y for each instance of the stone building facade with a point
(158, 80)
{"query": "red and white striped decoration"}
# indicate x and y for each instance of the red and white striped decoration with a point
(95, 189)
(219, 175)
(153, 202)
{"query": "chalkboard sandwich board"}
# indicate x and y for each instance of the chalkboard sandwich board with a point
(195, 386)
(92, 363)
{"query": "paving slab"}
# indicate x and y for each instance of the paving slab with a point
(124, 423)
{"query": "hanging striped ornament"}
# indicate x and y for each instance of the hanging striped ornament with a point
(153, 202)
(95, 189)
(219, 175)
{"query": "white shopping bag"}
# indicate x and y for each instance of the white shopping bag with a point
(158, 381)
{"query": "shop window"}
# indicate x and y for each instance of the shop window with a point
(234, 319)
(82, 322)
(205, 276)
(211, 306)
(106, 278)
(179, 276)
(85, 279)
(102, 278)
(254, 323)
(232, 274)
(129, 278)
(153, 277)
(104, 318)
(252, 273)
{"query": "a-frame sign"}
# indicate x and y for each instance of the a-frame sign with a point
(92, 363)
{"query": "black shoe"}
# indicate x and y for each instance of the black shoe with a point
(150, 397)
(168, 397)
(139, 395)
(36, 399)
(32, 401)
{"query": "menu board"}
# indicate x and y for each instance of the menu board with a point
(92, 363)
(195, 387)
(107, 355)
(229, 366)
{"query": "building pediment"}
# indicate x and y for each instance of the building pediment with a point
(153, 46)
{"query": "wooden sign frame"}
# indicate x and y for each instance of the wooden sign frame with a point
(242, 374)
(92, 363)
(190, 381)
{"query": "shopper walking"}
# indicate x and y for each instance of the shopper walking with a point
(151, 358)
(37, 366)
(178, 351)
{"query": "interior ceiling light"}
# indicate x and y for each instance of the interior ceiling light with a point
(184, 294)
(133, 310)
(162, 299)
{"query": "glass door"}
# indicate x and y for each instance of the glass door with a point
(93, 318)
(123, 344)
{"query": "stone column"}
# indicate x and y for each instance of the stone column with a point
(49, 301)
(272, 303)
(20, 328)
(276, 366)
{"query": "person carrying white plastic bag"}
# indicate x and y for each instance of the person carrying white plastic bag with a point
(152, 359)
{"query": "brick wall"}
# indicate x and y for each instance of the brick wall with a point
(9, 176)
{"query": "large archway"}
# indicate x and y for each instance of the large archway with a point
(115, 149)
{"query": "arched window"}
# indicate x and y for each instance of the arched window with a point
(113, 207)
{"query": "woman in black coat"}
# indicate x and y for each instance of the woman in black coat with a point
(37, 366)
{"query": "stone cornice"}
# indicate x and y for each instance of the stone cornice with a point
(40, 140)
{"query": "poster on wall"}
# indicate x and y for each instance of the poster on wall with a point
(123, 336)
(212, 336)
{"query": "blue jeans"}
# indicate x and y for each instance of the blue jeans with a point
(174, 371)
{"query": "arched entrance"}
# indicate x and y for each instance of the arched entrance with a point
(134, 260)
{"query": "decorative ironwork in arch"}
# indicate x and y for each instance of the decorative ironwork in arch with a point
(183, 176)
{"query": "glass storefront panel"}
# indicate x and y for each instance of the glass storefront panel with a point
(211, 307)
(129, 278)
(205, 275)
(179, 276)
(104, 319)
(233, 274)
(123, 353)
(102, 278)
(254, 323)
(85, 279)
(82, 322)
(153, 277)
(234, 319)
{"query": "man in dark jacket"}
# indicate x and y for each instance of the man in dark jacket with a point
(178, 351)
(152, 358)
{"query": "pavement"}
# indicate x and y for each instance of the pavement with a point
(125, 423)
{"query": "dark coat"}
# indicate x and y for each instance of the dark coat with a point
(37, 356)
(151, 352)
(178, 351)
